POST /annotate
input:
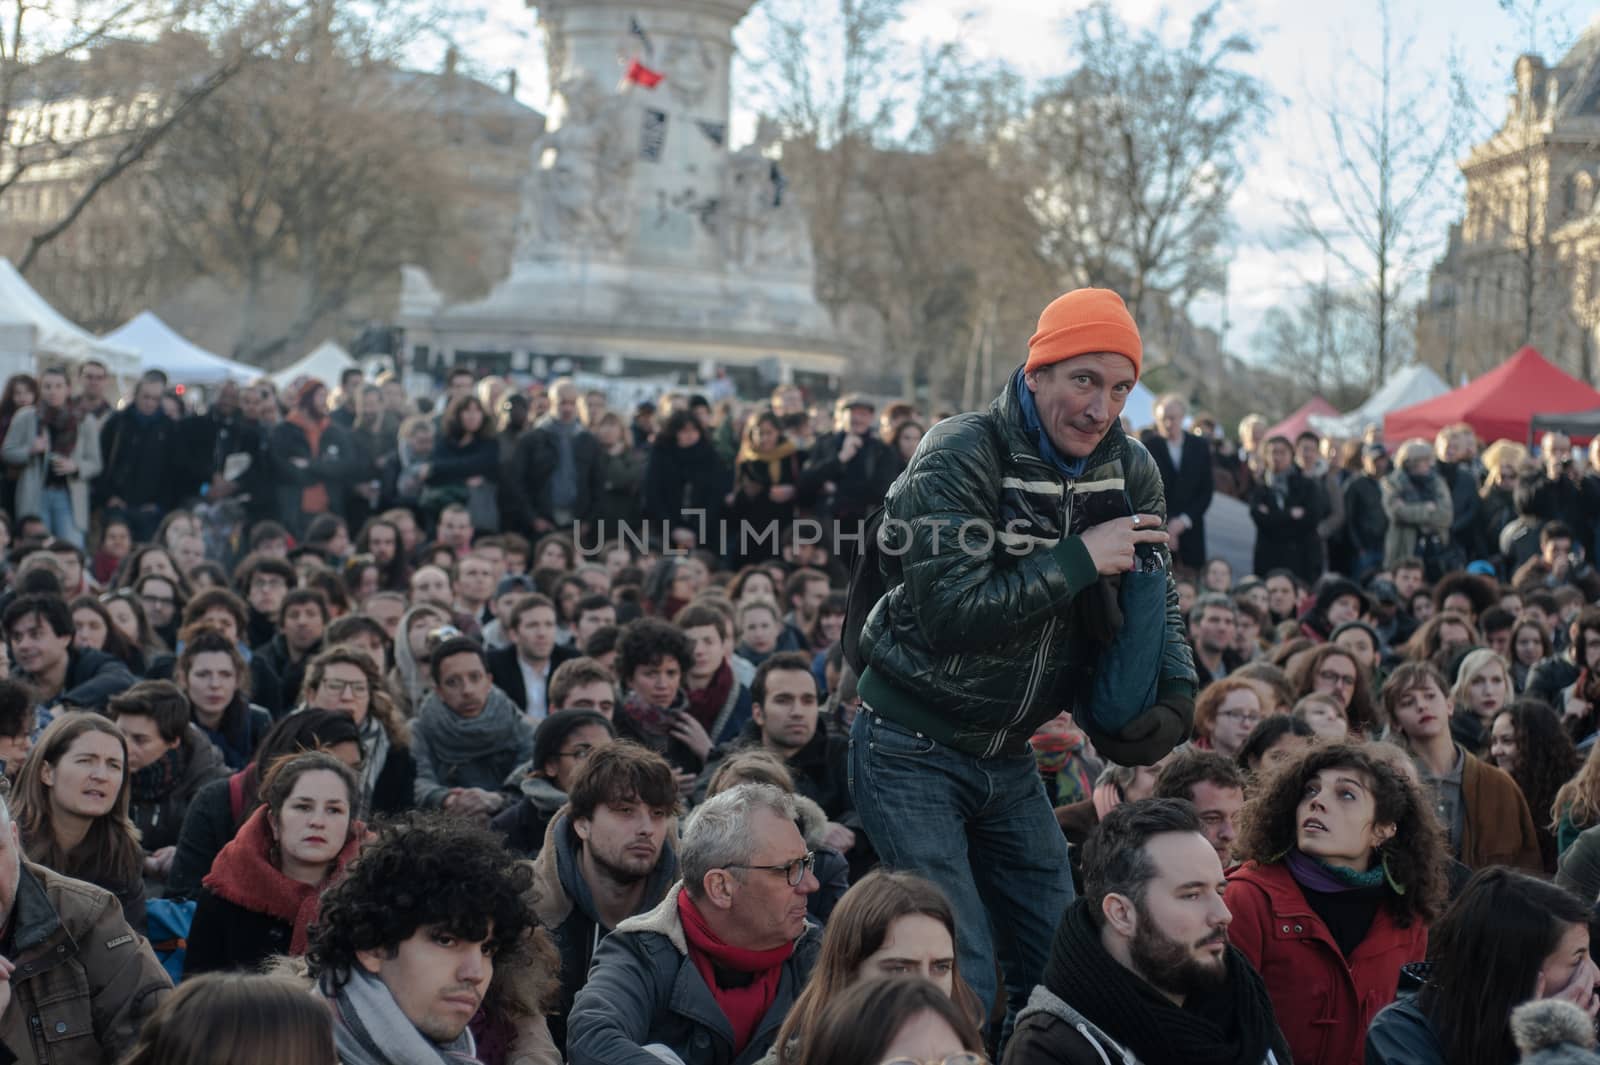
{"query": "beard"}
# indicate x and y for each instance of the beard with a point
(625, 868)
(1172, 966)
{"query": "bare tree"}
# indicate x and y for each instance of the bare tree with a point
(1137, 153)
(1380, 172)
(307, 182)
(89, 88)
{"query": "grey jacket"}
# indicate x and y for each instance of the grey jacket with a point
(643, 989)
(35, 468)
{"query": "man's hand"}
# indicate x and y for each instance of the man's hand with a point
(1111, 544)
(781, 493)
(851, 445)
(685, 782)
(159, 863)
(689, 732)
(839, 838)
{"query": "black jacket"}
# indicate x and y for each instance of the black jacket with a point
(232, 937)
(336, 466)
(1188, 491)
(977, 650)
(507, 673)
(618, 491)
(1365, 521)
(138, 459)
(859, 485)
(526, 494)
(1282, 540)
(820, 769)
(93, 677)
(208, 825)
(678, 480)
(159, 818)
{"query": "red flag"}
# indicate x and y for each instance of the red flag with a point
(640, 74)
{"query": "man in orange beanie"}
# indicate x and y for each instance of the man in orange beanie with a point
(1024, 556)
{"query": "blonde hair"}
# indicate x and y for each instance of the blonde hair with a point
(1476, 662)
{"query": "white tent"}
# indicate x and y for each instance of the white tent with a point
(1140, 410)
(161, 347)
(325, 364)
(1414, 384)
(31, 329)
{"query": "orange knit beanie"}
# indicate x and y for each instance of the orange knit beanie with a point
(1082, 322)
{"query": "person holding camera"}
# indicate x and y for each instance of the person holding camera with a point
(1561, 560)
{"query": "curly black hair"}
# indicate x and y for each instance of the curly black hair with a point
(424, 871)
(647, 641)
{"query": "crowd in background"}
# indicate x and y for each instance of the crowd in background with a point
(498, 722)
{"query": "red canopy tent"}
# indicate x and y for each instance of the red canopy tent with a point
(1499, 405)
(1300, 420)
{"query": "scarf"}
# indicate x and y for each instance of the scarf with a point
(1054, 753)
(375, 744)
(1227, 1025)
(458, 741)
(774, 458)
(245, 875)
(62, 425)
(1070, 468)
(744, 1006)
(705, 704)
(1314, 874)
(314, 496)
(369, 1028)
(158, 779)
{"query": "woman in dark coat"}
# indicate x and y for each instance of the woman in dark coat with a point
(1284, 507)
(683, 475)
(465, 458)
(312, 459)
(764, 489)
(263, 891)
(621, 471)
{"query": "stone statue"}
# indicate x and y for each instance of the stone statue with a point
(766, 230)
(578, 193)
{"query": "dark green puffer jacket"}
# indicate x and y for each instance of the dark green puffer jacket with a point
(976, 648)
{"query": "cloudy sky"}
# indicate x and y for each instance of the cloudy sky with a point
(1308, 55)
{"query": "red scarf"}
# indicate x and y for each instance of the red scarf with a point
(244, 874)
(743, 1006)
(706, 703)
(314, 497)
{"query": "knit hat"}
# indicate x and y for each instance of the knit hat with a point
(1082, 322)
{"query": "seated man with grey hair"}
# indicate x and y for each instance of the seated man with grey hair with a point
(709, 974)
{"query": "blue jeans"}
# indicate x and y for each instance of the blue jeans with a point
(57, 503)
(980, 828)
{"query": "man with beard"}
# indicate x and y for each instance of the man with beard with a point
(1214, 620)
(606, 857)
(1141, 969)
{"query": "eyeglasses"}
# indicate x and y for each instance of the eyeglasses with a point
(1343, 680)
(156, 600)
(794, 871)
(953, 1059)
(339, 687)
(580, 753)
(1244, 717)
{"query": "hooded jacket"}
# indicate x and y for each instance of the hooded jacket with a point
(644, 989)
(526, 822)
(85, 982)
(565, 906)
(457, 752)
(977, 648)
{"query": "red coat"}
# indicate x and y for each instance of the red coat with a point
(1323, 1002)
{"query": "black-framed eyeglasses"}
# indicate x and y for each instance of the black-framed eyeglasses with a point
(579, 753)
(794, 872)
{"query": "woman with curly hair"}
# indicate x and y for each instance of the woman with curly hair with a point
(1344, 871)
(436, 887)
(1529, 743)
(1444, 633)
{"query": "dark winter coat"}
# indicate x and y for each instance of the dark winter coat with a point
(976, 650)
(527, 494)
(1284, 541)
(820, 770)
(1188, 490)
(139, 455)
(336, 466)
(1365, 523)
(507, 672)
(859, 485)
(618, 490)
(678, 480)
(93, 677)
